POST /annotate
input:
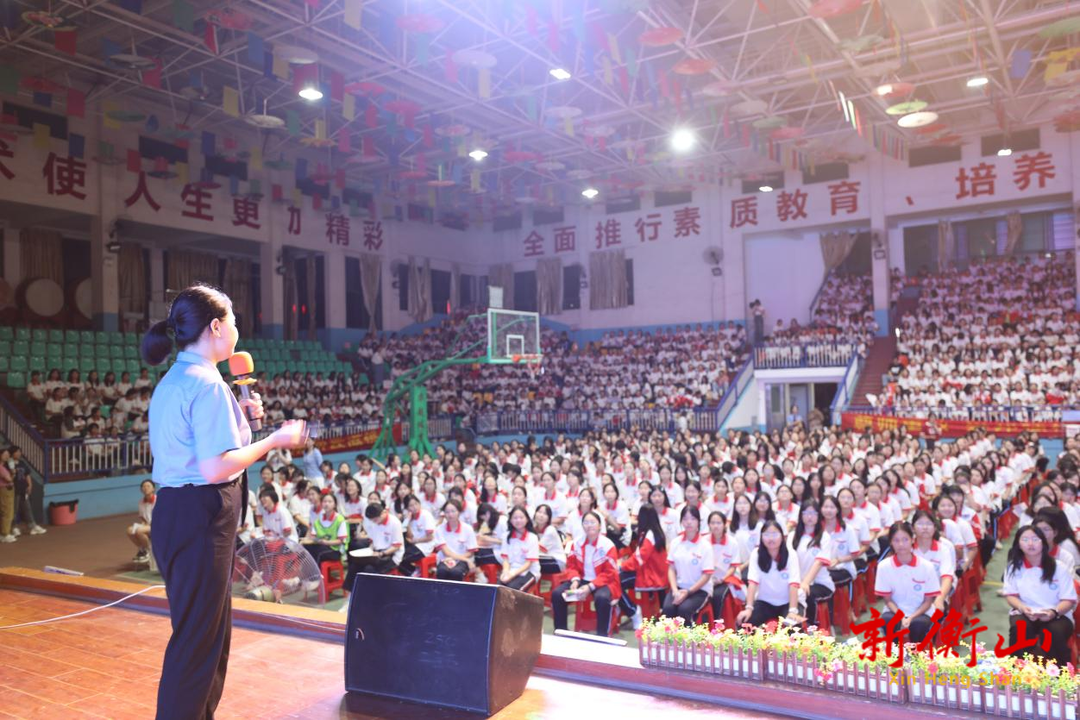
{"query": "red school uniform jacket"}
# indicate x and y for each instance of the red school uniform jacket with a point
(650, 564)
(606, 563)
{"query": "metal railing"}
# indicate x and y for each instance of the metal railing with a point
(846, 387)
(731, 398)
(973, 413)
(778, 357)
(22, 433)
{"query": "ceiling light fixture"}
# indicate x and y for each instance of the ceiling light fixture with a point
(590, 193)
(765, 188)
(682, 140)
(559, 74)
(978, 81)
(310, 93)
(1005, 152)
(478, 154)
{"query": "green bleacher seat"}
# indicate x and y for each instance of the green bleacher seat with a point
(71, 336)
(87, 350)
(88, 337)
(16, 380)
(116, 351)
(116, 338)
(21, 347)
(134, 366)
(102, 351)
(19, 364)
(54, 350)
(5, 347)
(7, 332)
(22, 333)
(71, 350)
(5, 363)
(37, 362)
(103, 365)
(39, 335)
(132, 338)
(87, 364)
(56, 336)
(69, 363)
(38, 348)
(131, 352)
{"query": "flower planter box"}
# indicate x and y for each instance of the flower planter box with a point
(702, 658)
(1006, 701)
(858, 679)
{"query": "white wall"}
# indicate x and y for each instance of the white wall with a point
(784, 271)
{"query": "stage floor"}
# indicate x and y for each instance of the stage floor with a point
(105, 665)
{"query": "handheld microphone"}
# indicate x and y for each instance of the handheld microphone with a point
(242, 367)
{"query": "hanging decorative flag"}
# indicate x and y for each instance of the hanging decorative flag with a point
(9, 80)
(184, 15)
(337, 86)
(76, 103)
(568, 126)
(64, 41)
(210, 37)
(43, 99)
(134, 161)
(609, 78)
(371, 115)
(41, 136)
(631, 62)
(423, 48)
(344, 142)
(277, 193)
(181, 173)
(279, 66)
(292, 122)
(1021, 63)
(348, 107)
(553, 37)
(613, 48)
(354, 11)
(255, 160)
(230, 101)
(76, 145)
(132, 6)
(109, 109)
(209, 143)
(234, 185)
(152, 76)
(109, 48)
(256, 50)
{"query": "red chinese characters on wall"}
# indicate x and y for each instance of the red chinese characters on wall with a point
(1029, 170)
(373, 235)
(196, 202)
(246, 213)
(565, 239)
(295, 224)
(534, 244)
(142, 192)
(65, 175)
(337, 229)
(744, 212)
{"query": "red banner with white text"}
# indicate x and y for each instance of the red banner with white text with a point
(948, 428)
(363, 440)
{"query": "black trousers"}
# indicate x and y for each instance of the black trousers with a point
(688, 609)
(601, 599)
(458, 572)
(818, 593)
(920, 626)
(323, 552)
(194, 542)
(764, 612)
(409, 560)
(378, 566)
(522, 582)
(1060, 630)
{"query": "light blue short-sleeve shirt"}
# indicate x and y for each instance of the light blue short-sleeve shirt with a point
(193, 416)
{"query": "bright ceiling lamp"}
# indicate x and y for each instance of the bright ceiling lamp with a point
(977, 81)
(559, 74)
(682, 140)
(590, 193)
(478, 154)
(917, 119)
(1005, 152)
(765, 188)
(310, 92)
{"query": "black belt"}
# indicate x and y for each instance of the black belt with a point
(243, 480)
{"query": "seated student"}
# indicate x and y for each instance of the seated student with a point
(277, 522)
(302, 507)
(646, 570)
(616, 516)
(455, 542)
(729, 555)
(385, 538)
(552, 552)
(1042, 596)
(690, 567)
(419, 534)
(520, 553)
(139, 533)
(908, 583)
(328, 535)
(490, 534)
(593, 569)
(814, 548)
(1055, 526)
(930, 545)
(844, 540)
(773, 581)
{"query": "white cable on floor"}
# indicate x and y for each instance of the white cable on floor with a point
(84, 612)
(128, 597)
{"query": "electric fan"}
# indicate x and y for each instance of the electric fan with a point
(277, 570)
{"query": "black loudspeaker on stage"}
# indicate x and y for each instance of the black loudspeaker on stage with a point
(453, 644)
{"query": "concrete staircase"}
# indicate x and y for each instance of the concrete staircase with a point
(884, 350)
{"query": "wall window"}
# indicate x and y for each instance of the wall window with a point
(440, 290)
(525, 290)
(402, 274)
(629, 282)
(571, 287)
(357, 314)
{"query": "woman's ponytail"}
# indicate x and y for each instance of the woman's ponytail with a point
(156, 343)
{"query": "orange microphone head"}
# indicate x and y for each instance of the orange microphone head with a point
(241, 364)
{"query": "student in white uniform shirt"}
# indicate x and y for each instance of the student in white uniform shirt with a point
(277, 521)
(551, 497)
(329, 531)
(745, 523)
(931, 546)
(844, 540)
(139, 533)
(669, 520)
(520, 553)
(616, 516)
(420, 535)
(774, 579)
(957, 530)
(690, 569)
(814, 548)
(1041, 593)
(430, 498)
(386, 539)
(1055, 526)
(720, 500)
(907, 583)
(728, 556)
(455, 542)
(586, 503)
(552, 551)
(593, 570)
(785, 509)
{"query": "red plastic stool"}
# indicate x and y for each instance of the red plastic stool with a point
(491, 572)
(822, 620)
(585, 617)
(649, 602)
(859, 605)
(842, 618)
(730, 610)
(705, 616)
(427, 566)
(333, 575)
(553, 581)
